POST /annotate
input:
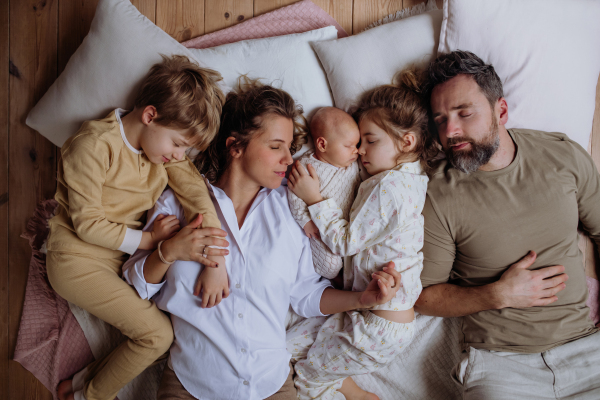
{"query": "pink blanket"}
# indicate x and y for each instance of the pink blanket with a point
(299, 17)
(51, 344)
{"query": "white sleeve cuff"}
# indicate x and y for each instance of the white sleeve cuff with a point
(131, 242)
(135, 277)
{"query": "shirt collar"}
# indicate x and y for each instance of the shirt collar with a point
(119, 112)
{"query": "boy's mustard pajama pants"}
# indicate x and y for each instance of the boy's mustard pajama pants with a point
(95, 285)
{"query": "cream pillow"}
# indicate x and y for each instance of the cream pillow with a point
(547, 53)
(372, 58)
(104, 72)
(287, 62)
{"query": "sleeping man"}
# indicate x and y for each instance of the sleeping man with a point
(500, 247)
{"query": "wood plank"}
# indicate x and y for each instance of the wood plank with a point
(368, 11)
(225, 13)
(182, 19)
(147, 8)
(5, 352)
(340, 10)
(33, 57)
(74, 20)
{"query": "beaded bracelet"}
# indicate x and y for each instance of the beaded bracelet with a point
(161, 256)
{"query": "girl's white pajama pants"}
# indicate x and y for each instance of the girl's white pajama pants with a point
(328, 350)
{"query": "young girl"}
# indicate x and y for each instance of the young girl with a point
(385, 225)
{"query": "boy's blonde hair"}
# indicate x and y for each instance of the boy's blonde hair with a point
(186, 96)
(400, 108)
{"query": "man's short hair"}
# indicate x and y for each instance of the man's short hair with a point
(185, 96)
(458, 62)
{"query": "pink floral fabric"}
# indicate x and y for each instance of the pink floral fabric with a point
(299, 17)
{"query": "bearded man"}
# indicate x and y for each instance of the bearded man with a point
(500, 249)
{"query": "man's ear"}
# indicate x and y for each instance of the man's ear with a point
(321, 144)
(501, 111)
(148, 115)
(408, 142)
(233, 150)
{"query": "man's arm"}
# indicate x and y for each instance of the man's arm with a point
(517, 288)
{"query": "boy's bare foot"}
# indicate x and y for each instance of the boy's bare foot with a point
(65, 390)
(351, 391)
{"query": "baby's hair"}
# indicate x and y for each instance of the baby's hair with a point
(185, 96)
(243, 114)
(400, 108)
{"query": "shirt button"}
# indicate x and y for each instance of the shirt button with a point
(237, 285)
(143, 164)
(243, 350)
(240, 315)
(246, 383)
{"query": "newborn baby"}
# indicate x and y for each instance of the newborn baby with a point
(335, 135)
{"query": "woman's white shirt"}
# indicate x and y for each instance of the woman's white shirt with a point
(237, 349)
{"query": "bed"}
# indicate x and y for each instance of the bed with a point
(57, 339)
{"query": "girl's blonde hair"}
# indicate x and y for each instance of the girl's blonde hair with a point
(243, 114)
(400, 108)
(186, 96)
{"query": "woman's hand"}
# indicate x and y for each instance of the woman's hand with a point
(382, 288)
(191, 244)
(305, 184)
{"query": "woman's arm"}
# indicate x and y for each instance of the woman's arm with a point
(381, 289)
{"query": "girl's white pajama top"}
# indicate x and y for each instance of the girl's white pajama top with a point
(237, 350)
(385, 225)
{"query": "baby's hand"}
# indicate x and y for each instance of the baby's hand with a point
(213, 283)
(305, 184)
(311, 230)
(165, 227)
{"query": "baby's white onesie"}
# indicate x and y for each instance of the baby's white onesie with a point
(336, 183)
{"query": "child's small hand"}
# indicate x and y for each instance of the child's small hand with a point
(305, 184)
(212, 284)
(165, 227)
(311, 230)
(382, 288)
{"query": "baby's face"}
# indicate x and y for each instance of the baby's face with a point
(341, 148)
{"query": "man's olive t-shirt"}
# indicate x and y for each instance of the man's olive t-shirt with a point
(478, 224)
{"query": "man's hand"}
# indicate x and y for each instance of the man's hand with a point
(521, 288)
(213, 285)
(382, 288)
(305, 184)
(311, 230)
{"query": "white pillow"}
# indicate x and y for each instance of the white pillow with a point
(287, 62)
(372, 58)
(104, 72)
(547, 53)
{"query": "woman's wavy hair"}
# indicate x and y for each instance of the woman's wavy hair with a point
(242, 116)
(400, 108)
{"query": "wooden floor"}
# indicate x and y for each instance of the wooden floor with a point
(37, 37)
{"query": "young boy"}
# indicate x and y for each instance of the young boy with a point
(335, 135)
(111, 172)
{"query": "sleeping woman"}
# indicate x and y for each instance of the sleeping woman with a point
(238, 349)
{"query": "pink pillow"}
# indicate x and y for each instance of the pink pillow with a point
(299, 17)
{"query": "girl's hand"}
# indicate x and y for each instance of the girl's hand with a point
(382, 288)
(191, 244)
(165, 227)
(311, 230)
(305, 184)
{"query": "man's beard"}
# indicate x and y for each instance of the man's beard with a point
(468, 161)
